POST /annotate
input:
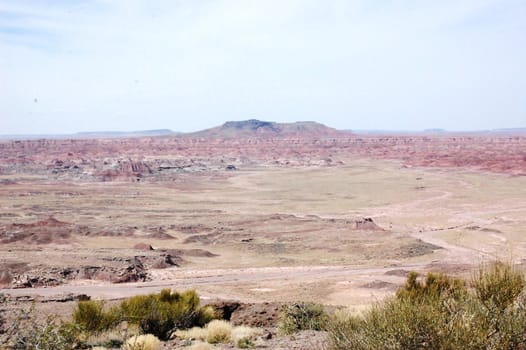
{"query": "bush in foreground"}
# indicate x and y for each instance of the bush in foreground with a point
(302, 316)
(442, 313)
(28, 332)
(91, 316)
(158, 314)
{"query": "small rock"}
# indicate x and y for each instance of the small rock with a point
(143, 246)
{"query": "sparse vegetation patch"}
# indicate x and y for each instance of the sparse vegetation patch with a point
(302, 316)
(441, 312)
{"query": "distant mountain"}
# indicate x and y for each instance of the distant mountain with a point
(264, 129)
(93, 135)
(102, 134)
(260, 129)
(511, 130)
(435, 130)
(444, 132)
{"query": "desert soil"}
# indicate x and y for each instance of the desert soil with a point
(337, 222)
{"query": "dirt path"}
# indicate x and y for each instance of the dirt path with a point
(453, 253)
(184, 279)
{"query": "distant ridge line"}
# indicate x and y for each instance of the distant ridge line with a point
(262, 129)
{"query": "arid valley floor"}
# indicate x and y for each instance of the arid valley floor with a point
(337, 219)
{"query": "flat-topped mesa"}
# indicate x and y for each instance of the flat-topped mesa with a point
(254, 128)
(251, 124)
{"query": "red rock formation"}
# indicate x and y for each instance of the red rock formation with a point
(163, 158)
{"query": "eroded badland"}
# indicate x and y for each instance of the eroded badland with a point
(315, 215)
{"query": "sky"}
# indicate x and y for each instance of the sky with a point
(69, 66)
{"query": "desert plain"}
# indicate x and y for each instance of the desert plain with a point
(265, 215)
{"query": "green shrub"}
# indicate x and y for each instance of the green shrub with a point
(441, 313)
(157, 314)
(91, 316)
(498, 285)
(302, 316)
(162, 313)
(433, 288)
(499, 290)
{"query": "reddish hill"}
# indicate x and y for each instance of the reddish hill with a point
(263, 129)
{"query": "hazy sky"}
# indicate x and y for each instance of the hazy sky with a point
(71, 65)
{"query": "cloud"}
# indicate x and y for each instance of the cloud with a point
(186, 65)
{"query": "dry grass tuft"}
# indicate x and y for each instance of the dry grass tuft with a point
(195, 333)
(114, 336)
(244, 332)
(143, 342)
(218, 331)
(221, 332)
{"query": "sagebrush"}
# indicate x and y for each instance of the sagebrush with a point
(302, 316)
(158, 314)
(29, 332)
(441, 312)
